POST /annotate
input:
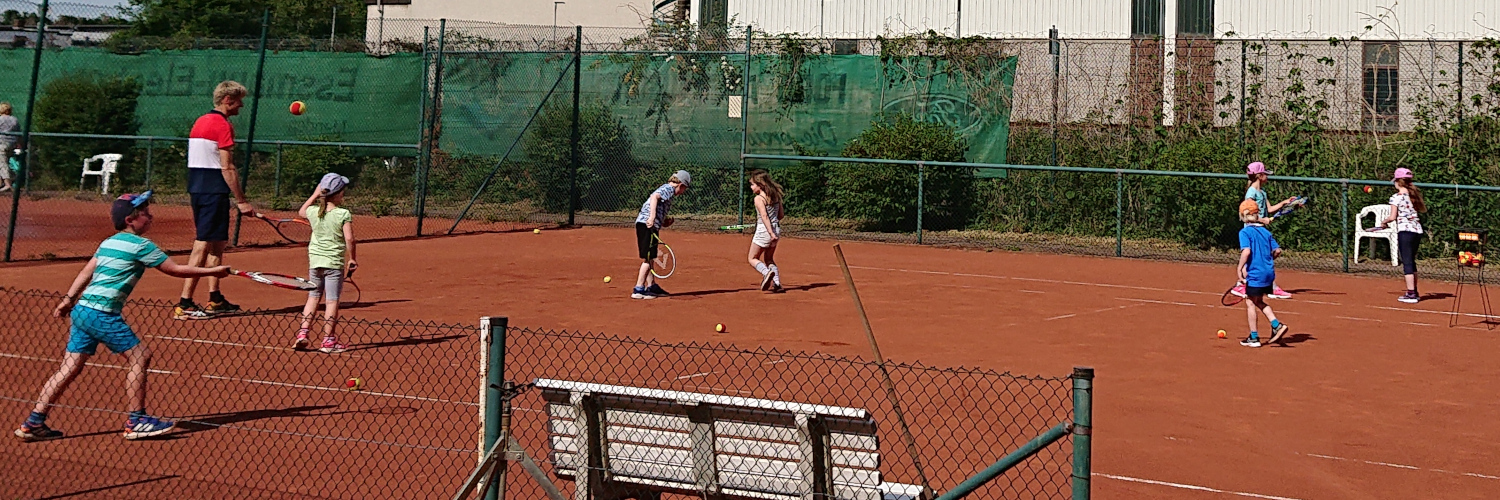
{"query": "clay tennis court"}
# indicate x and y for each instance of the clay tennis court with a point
(1369, 398)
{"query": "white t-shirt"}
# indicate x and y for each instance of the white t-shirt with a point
(1406, 214)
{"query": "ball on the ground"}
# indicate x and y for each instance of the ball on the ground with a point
(1223, 334)
(1369, 189)
(719, 328)
(353, 384)
(536, 231)
(298, 108)
(607, 279)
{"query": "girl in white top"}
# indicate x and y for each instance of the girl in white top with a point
(768, 210)
(1406, 204)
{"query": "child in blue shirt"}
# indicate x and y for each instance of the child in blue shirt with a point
(93, 304)
(1257, 272)
(648, 224)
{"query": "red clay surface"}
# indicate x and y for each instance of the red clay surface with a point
(1371, 398)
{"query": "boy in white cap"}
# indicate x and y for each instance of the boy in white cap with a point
(648, 224)
(330, 258)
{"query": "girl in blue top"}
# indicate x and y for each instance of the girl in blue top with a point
(1258, 176)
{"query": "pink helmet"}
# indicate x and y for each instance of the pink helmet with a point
(1403, 173)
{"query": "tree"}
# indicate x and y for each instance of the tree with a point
(185, 19)
(85, 103)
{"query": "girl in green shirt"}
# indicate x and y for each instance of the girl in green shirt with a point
(330, 257)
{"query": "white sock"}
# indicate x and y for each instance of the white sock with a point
(762, 268)
(777, 278)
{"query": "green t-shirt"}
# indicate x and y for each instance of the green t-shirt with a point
(123, 258)
(327, 248)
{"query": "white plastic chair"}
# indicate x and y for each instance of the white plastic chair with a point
(108, 163)
(1381, 212)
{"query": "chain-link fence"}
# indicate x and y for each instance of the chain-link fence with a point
(254, 417)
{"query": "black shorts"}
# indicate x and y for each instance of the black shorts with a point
(211, 216)
(1259, 291)
(645, 240)
(1406, 246)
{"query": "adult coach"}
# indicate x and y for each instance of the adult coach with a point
(212, 178)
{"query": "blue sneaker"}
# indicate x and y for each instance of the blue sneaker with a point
(656, 290)
(147, 426)
(640, 293)
(39, 432)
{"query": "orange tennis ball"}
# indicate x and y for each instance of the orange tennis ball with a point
(353, 384)
(1369, 189)
(1223, 334)
(607, 279)
(720, 328)
(298, 108)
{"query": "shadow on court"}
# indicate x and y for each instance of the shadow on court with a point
(199, 423)
(298, 309)
(701, 293)
(1293, 339)
(407, 341)
(101, 489)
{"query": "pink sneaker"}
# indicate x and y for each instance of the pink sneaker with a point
(332, 346)
(1239, 291)
(302, 341)
(1278, 293)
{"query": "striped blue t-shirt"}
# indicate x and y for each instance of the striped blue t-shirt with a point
(123, 258)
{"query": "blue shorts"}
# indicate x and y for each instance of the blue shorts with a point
(92, 327)
(211, 215)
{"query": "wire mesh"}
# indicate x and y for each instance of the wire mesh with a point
(639, 404)
(253, 416)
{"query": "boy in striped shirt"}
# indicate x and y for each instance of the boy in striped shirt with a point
(94, 303)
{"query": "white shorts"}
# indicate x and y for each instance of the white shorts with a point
(763, 238)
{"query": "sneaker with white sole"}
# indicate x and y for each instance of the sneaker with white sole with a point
(1278, 293)
(332, 346)
(189, 311)
(302, 341)
(1277, 333)
(1250, 342)
(1239, 290)
(641, 293)
(1410, 297)
(146, 426)
(766, 280)
(39, 432)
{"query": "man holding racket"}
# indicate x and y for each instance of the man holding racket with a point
(1257, 272)
(648, 225)
(93, 303)
(212, 178)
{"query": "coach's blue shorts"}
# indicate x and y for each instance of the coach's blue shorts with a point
(92, 327)
(211, 215)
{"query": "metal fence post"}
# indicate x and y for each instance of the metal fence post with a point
(744, 124)
(277, 181)
(1244, 158)
(150, 156)
(1054, 47)
(434, 120)
(574, 138)
(494, 388)
(416, 174)
(920, 176)
(1119, 213)
(260, 70)
(24, 174)
(1344, 222)
(1083, 430)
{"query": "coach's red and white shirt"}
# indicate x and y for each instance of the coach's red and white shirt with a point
(211, 133)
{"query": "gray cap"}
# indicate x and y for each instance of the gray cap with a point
(684, 176)
(333, 183)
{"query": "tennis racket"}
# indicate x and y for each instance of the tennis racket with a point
(665, 262)
(1295, 203)
(736, 227)
(277, 280)
(293, 230)
(358, 294)
(1229, 297)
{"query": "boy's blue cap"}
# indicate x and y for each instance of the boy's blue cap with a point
(126, 204)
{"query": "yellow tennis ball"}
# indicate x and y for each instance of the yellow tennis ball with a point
(1223, 334)
(719, 328)
(353, 384)
(607, 279)
(536, 231)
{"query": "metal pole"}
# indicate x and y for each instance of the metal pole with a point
(573, 154)
(1119, 212)
(380, 32)
(1083, 430)
(494, 387)
(1244, 157)
(333, 27)
(15, 191)
(260, 70)
(1007, 462)
(1344, 225)
(920, 175)
(1460, 84)
(150, 155)
(958, 22)
(744, 123)
(416, 174)
(433, 121)
(278, 170)
(1055, 47)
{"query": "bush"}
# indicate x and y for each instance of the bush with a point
(303, 166)
(884, 197)
(86, 102)
(605, 162)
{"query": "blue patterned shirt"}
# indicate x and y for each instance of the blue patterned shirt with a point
(667, 191)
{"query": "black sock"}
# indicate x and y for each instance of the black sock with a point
(216, 297)
(185, 301)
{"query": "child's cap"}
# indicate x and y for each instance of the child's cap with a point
(1256, 168)
(1403, 173)
(126, 204)
(1249, 207)
(333, 183)
(683, 176)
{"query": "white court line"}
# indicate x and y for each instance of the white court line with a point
(1061, 317)
(100, 365)
(1029, 291)
(320, 388)
(1444, 313)
(1360, 319)
(233, 344)
(695, 375)
(1400, 466)
(1039, 280)
(1191, 487)
(1149, 301)
(777, 362)
(1413, 323)
(1318, 302)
